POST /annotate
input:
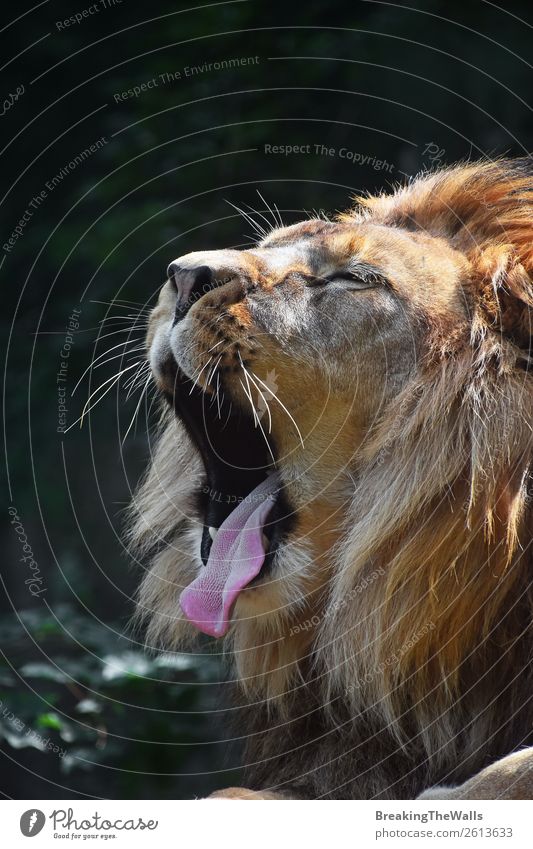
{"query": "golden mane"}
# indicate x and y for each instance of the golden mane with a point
(443, 501)
(484, 210)
(440, 510)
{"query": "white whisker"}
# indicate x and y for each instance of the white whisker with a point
(213, 370)
(249, 396)
(200, 374)
(224, 426)
(262, 396)
(280, 219)
(126, 317)
(86, 408)
(122, 354)
(218, 397)
(114, 357)
(260, 231)
(269, 227)
(256, 417)
(282, 405)
(137, 408)
(138, 379)
(115, 377)
(143, 327)
(122, 302)
(269, 209)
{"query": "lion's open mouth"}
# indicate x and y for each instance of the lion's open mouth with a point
(243, 504)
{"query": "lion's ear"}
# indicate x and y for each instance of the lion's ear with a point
(503, 291)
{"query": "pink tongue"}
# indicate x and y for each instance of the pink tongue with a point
(236, 557)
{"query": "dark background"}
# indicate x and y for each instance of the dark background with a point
(409, 88)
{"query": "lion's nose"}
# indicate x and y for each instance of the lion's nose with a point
(190, 283)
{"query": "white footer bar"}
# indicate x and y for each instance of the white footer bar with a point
(225, 824)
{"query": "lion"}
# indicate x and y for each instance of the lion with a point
(341, 491)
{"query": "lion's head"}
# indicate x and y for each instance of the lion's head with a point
(341, 481)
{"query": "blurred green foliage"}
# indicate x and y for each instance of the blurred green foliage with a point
(150, 719)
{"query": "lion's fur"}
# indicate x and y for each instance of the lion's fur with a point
(435, 653)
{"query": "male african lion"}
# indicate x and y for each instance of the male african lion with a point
(341, 489)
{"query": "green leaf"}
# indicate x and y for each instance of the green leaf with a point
(50, 720)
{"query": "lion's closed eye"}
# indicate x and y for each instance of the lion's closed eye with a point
(350, 281)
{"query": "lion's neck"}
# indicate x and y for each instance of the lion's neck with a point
(423, 652)
(433, 606)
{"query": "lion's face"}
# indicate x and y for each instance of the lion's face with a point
(279, 360)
